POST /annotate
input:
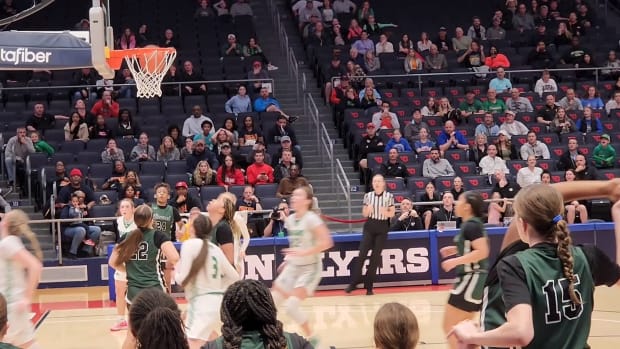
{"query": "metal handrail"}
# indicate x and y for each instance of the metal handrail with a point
(295, 73)
(313, 110)
(179, 83)
(345, 186)
(327, 148)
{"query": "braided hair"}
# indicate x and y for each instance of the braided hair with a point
(542, 207)
(155, 321)
(248, 306)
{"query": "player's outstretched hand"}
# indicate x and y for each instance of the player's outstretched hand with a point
(464, 331)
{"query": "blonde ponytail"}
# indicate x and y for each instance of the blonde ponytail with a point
(17, 224)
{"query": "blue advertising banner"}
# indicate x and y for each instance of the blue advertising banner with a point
(409, 258)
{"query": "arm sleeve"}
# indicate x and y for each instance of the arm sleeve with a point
(604, 270)
(512, 282)
(159, 238)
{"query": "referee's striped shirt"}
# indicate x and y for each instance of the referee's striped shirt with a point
(377, 201)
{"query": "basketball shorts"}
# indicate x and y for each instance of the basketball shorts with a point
(203, 316)
(467, 292)
(299, 276)
(20, 330)
(120, 276)
(133, 291)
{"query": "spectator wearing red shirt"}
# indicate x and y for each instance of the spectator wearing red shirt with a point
(229, 173)
(106, 106)
(259, 172)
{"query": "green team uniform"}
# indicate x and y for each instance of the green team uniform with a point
(535, 277)
(7, 346)
(143, 269)
(254, 340)
(493, 313)
(467, 292)
(164, 219)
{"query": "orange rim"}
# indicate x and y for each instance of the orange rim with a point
(116, 57)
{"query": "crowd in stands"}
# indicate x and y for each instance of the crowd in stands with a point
(488, 128)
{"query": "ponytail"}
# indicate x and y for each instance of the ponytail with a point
(128, 247)
(566, 258)
(202, 230)
(17, 224)
(143, 218)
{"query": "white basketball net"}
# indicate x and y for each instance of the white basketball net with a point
(148, 83)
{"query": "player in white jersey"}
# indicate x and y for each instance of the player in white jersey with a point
(20, 276)
(124, 224)
(205, 273)
(301, 271)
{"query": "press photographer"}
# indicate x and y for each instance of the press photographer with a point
(276, 221)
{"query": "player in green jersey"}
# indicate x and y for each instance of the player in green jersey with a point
(548, 288)
(138, 255)
(470, 252)
(167, 220)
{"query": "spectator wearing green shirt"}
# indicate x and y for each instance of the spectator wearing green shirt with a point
(41, 146)
(604, 155)
(493, 104)
(471, 105)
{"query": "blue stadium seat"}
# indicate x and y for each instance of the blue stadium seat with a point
(443, 183)
(210, 192)
(266, 190)
(395, 184)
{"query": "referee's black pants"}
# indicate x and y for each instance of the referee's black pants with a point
(375, 233)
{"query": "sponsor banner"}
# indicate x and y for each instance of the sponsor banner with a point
(408, 258)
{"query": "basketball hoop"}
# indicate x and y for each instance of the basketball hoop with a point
(148, 67)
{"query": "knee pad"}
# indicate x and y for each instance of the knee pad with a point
(291, 307)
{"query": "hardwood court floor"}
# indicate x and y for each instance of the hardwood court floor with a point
(79, 318)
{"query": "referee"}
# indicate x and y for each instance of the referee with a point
(378, 208)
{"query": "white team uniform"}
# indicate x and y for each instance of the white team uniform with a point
(122, 231)
(204, 294)
(12, 287)
(301, 271)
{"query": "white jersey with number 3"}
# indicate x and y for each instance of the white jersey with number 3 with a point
(301, 235)
(12, 275)
(214, 277)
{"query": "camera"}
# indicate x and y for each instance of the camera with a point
(275, 214)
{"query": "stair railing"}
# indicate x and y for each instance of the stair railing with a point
(326, 149)
(314, 117)
(345, 187)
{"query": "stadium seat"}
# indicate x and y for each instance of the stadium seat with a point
(266, 190)
(100, 170)
(173, 179)
(416, 184)
(152, 168)
(475, 182)
(66, 158)
(88, 157)
(236, 190)
(443, 183)
(464, 168)
(210, 192)
(73, 147)
(395, 184)
(176, 167)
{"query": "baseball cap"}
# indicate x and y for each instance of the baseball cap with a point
(181, 184)
(442, 29)
(510, 112)
(370, 125)
(605, 136)
(231, 36)
(225, 144)
(504, 132)
(75, 172)
(285, 139)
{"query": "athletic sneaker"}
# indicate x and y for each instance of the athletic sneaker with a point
(119, 326)
(271, 67)
(89, 242)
